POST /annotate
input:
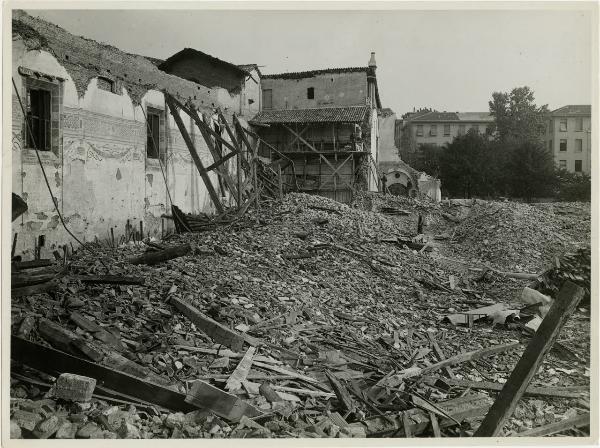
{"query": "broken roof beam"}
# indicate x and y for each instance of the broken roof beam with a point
(51, 361)
(508, 398)
(171, 102)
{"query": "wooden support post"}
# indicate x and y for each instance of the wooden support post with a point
(280, 182)
(188, 141)
(504, 406)
(14, 246)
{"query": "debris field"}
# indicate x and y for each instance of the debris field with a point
(308, 318)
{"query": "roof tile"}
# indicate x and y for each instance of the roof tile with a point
(351, 114)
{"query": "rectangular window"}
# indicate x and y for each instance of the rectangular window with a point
(550, 147)
(446, 129)
(563, 145)
(106, 84)
(461, 129)
(268, 99)
(551, 126)
(578, 145)
(39, 119)
(419, 130)
(562, 164)
(433, 130)
(153, 136)
(310, 93)
(563, 125)
(475, 127)
(488, 130)
(579, 124)
(578, 166)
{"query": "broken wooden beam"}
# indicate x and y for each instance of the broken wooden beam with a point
(556, 427)
(41, 263)
(531, 391)
(241, 371)
(223, 404)
(151, 258)
(508, 398)
(217, 331)
(108, 279)
(54, 362)
(172, 103)
(459, 409)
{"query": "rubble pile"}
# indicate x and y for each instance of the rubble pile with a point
(522, 237)
(307, 318)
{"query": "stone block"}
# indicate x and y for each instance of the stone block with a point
(66, 430)
(74, 387)
(15, 430)
(27, 420)
(47, 427)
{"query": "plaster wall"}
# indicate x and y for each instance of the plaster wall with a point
(330, 90)
(100, 175)
(554, 135)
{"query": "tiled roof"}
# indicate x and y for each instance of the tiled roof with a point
(436, 116)
(572, 110)
(352, 114)
(191, 52)
(475, 116)
(311, 73)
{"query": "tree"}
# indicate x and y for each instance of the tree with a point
(464, 167)
(517, 119)
(531, 171)
(428, 159)
(573, 186)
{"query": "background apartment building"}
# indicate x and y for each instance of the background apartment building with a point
(431, 127)
(568, 136)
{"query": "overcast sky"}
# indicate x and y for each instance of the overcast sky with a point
(447, 60)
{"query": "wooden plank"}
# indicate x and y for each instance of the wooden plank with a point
(217, 331)
(472, 356)
(54, 362)
(459, 408)
(223, 404)
(563, 306)
(283, 371)
(440, 354)
(188, 141)
(397, 379)
(435, 425)
(108, 279)
(241, 371)
(151, 258)
(208, 133)
(42, 263)
(531, 391)
(556, 427)
(344, 398)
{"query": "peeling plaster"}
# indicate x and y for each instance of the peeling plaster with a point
(150, 178)
(118, 176)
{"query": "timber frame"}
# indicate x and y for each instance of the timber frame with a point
(329, 159)
(253, 177)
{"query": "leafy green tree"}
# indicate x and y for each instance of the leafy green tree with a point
(464, 165)
(517, 118)
(532, 172)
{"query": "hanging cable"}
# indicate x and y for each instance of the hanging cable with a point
(54, 202)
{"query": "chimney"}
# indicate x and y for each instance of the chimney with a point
(372, 62)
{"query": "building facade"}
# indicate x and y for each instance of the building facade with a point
(107, 141)
(569, 138)
(428, 127)
(326, 123)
